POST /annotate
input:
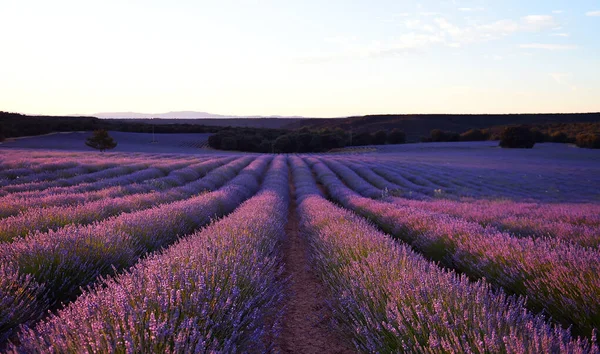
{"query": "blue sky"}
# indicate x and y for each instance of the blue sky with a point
(310, 58)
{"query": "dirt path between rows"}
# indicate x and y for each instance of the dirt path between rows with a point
(307, 318)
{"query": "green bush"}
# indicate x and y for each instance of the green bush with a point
(474, 135)
(362, 139)
(588, 140)
(379, 138)
(315, 144)
(283, 144)
(517, 137)
(559, 137)
(438, 135)
(396, 136)
(229, 143)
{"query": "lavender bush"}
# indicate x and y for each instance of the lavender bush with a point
(217, 290)
(387, 298)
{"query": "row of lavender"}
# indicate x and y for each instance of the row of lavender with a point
(558, 277)
(155, 178)
(217, 290)
(20, 163)
(106, 179)
(387, 298)
(92, 170)
(42, 270)
(424, 180)
(573, 222)
(58, 171)
(17, 167)
(576, 223)
(91, 207)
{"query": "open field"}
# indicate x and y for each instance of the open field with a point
(440, 247)
(127, 142)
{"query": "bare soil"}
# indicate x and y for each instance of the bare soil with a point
(306, 323)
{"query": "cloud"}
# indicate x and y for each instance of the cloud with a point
(495, 30)
(538, 22)
(423, 32)
(593, 13)
(418, 25)
(547, 46)
(448, 27)
(502, 27)
(406, 43)
(470, 9)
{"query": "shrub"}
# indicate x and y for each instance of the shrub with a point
(362, 139)
(214, 141)
(396, 136)
(379, 138)
(303, 142)
(517, 137)
(559, 137)
(588, 140)
(315, 144)
(539, 136)
(283, 144)
(438, 135)
(331, 141)
(228, 143)
(474, 135)
(265, 146)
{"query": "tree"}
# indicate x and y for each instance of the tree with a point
(379, 137)
(438, 135)
(396, 136)
(283, 144)
(588, 140)
(214, 141)
(100, 140)
(517, 137)
(229, 143)
(362, 139)
(303, 142)
(559, 137)
(474, 135)
(316, 143)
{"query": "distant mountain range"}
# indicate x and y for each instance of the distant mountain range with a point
(176, 115)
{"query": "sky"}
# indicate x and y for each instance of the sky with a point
(311, 58)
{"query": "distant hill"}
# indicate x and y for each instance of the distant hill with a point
(179, 115)
(267, 123)
(417, 126)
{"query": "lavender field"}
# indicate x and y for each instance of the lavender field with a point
(417, 248)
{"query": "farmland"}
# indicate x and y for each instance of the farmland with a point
(441, 247)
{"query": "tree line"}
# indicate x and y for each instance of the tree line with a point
(304, 140)
(301, 141)
(16, 125)
(585, 135)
